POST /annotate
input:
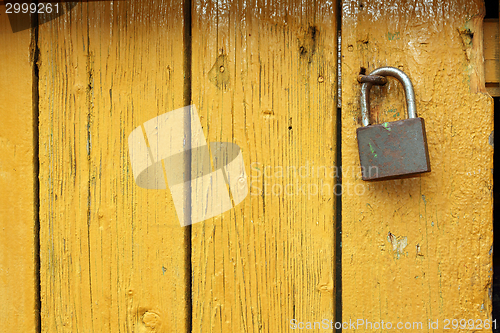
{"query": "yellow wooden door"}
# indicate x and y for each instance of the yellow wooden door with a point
(114, 257)
(419, 250)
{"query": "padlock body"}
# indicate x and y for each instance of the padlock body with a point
(393, 150)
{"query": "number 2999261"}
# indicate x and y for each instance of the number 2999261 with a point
(33, 8)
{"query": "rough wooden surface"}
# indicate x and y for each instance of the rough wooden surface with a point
(113, 255)
(18, 311)
(419, 249)
(264, 77)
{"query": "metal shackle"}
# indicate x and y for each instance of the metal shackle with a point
(405, 81)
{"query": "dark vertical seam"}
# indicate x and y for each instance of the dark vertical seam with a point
(35, 56)
(338, 199)
(492, 12)
(187, 205)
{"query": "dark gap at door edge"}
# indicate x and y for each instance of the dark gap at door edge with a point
(338, 182)
(187, 11)
(34, 57)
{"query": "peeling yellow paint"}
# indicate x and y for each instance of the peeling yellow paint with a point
(113, 254)
(264, 77)
(271, 259)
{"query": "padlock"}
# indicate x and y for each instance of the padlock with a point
(395, 149)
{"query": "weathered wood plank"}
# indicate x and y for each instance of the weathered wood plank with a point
(113, 254)
(264, 77)
(18, 281)
(419, 249)
(491, 57)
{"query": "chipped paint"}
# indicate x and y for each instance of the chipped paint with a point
(398, 244)
(418, 250)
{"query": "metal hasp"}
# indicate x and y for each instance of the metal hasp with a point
(395, 149)
(373, 79)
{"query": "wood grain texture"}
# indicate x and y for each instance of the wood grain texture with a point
(419, 249)
(18, 311)
(264, 77)
(113, 254)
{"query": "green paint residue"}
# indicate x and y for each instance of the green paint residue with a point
(393, 36)
(386, 126)
(394, 111)
(373, 150)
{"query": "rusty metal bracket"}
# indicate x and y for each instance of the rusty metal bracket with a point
(377, 80)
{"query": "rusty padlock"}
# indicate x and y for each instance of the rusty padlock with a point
(395, 149)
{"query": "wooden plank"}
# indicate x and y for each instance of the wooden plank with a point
(113, 254)
(264, 78)
(491, 51)
(492, 57)
(419, 249)
(18, 306)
